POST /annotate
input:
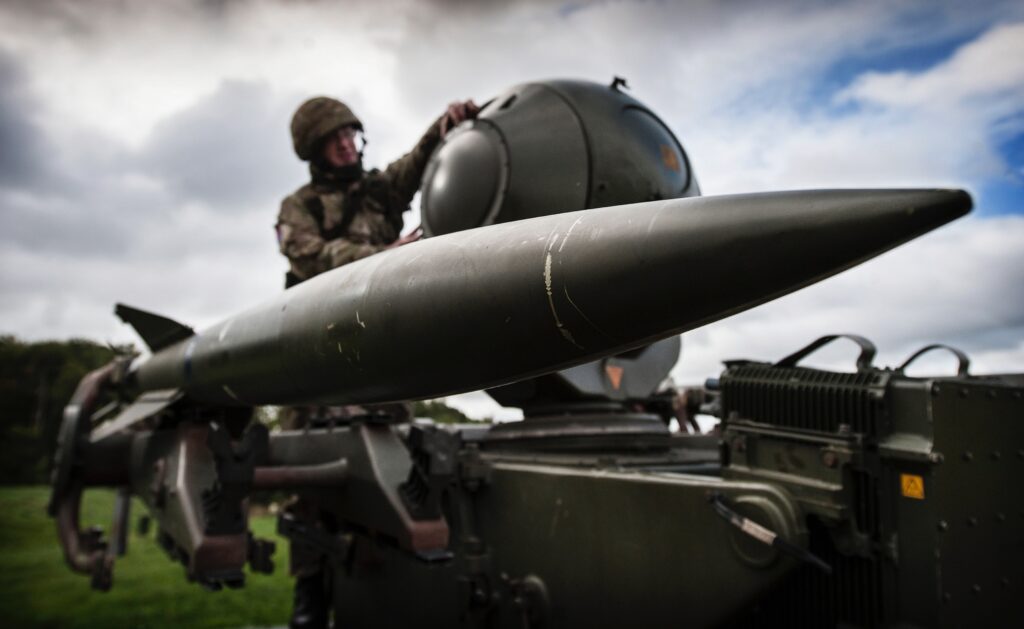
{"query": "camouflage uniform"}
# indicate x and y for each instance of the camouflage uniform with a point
(340, 217)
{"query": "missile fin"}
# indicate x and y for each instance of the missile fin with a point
(155, 330)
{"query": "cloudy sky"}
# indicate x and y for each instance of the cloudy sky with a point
(144, 146)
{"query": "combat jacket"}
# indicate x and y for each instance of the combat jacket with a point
(330, 222)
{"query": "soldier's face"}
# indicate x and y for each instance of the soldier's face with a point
(340, 148)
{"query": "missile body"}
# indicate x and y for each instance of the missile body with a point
(496, 304)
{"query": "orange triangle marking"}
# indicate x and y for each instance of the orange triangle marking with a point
(614, 375)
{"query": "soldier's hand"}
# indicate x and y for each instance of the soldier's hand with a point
(412, 236)
(456, 113)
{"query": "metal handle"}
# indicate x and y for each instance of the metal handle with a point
(84, 551)
(867, 351)
(333, 474)
(963, 362)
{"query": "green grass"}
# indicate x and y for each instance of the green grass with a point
(37, 589)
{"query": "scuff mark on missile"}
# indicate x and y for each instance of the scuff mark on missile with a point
(552, 238)
(330, 326)
(224, 331)
(565, 289)
(654, 219)
(551, 302)
(569, 233)
(228, 390)
(339, 348)
(360, 321)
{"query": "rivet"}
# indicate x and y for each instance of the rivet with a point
(996, 455)
(968, 456)
(972, 521)
(991, 394)
(936, 389)
(936, 457)
(829, 458)
(942, 525)
(1001, 517)
(976, 588)
(964, 393)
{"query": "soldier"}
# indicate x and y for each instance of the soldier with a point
(343, 214)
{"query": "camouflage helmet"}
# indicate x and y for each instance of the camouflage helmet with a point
(315, 119)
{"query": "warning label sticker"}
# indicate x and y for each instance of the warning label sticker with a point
(912, 486)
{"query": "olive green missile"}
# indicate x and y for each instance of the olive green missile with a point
(492, 305)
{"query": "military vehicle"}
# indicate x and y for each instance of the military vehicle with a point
(569, 248)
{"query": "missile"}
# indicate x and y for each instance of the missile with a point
(496, 304)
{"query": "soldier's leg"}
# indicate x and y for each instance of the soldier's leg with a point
(310, 608)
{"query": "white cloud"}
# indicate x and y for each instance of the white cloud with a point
(139, 108)
(958, 285)
(987, 73)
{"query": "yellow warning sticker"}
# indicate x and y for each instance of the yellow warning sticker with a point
(912, 486)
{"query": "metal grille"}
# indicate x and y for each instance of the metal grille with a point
(852, 596)
(806, 399)
(866, 511)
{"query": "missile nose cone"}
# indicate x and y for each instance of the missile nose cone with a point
(948, 202)
(909, 209)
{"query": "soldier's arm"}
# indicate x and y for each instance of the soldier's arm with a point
(298, 235)
(404, 174)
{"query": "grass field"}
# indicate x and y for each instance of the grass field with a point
(38, 590)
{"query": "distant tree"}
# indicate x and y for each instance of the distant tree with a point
(36, 382)
(441, 413)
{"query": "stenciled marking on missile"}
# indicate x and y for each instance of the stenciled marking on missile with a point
(547, 288)
(360, 321)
